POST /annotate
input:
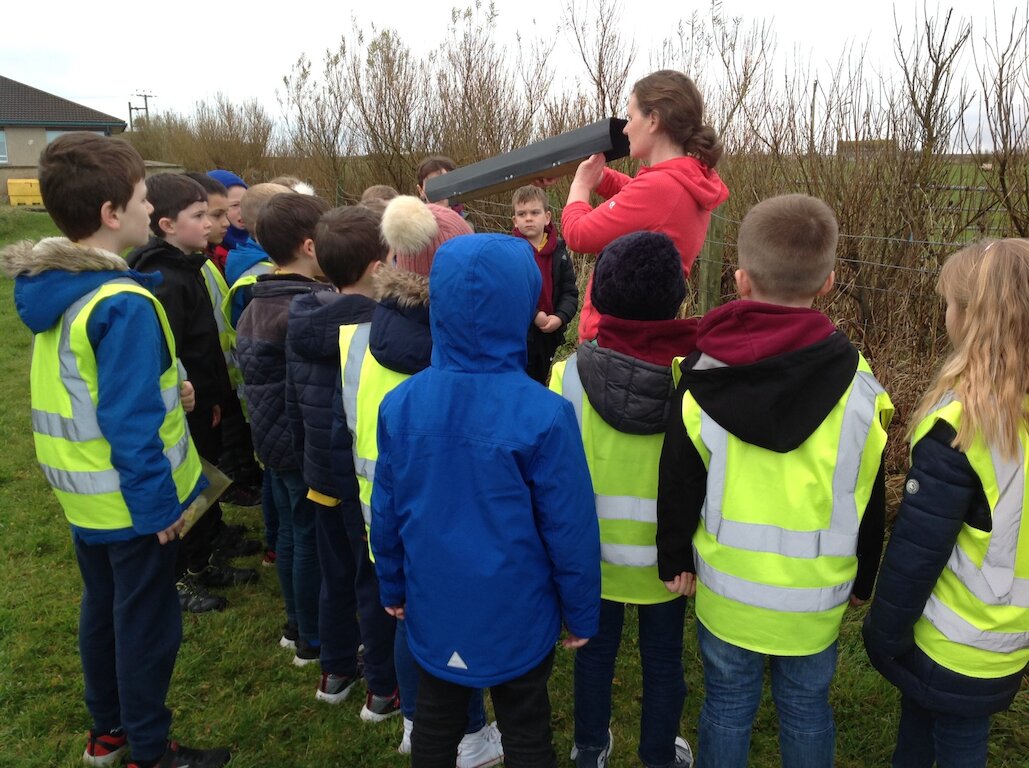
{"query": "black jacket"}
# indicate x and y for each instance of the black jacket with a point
(566, 301)
(183, 294)
(942, 494)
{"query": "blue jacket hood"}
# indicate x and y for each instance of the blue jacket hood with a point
(484, 290)
(53, 274)
(243, 257)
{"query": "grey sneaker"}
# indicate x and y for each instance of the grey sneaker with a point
(335, 688)
(593, 758)
(683, 753)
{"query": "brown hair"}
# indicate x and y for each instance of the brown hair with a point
(382, 192)
(434, 164)
(254, 199)
(285, 222)
(171, 194)
(679, 105)
(530, 194)
(79, 172)
(346, 241)
(787, 245)
(210, 184)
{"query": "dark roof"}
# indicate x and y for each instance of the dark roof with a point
(22, 104)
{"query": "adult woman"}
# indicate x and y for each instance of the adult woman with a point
(673, 193)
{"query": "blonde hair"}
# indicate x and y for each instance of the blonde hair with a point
(987, 370)
(530, 194)
(255, 198)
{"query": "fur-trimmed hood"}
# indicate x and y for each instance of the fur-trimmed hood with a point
(54, 273)
(400, 338)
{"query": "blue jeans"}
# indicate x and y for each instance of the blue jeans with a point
(734, 677)
(408, 674)
(270, 512)
(952, 741)
(297, 552)
(130, 626)
(664, 689)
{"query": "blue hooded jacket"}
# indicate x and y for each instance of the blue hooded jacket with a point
(235, 236)
(484, 524)
(131, 353)
(241, 258)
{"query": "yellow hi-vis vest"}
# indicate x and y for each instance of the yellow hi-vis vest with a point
(776, 547)
(976, 622)
(624, 472)
(365, 383)
(218, 289)
(249, 277)
(72, 451)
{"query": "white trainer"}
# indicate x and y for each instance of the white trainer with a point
(405, 743)
(481, 749)
(683, 753)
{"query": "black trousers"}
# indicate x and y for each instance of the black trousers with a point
(522, 706)
(198, 544)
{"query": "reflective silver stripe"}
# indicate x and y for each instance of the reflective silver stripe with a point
(366, 511)
(840, 538)
(571, 386)
(788, 599)
(364, 468)
(957, 630)
(176, 454)
(104, 481)
(55, 425)
(636, 556)
(995, 582)
(352, 375)
(627, 508)
(260, 268)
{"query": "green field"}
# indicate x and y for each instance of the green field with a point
(234, 685)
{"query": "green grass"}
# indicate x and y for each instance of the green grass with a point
(234, 685)
(24, 223)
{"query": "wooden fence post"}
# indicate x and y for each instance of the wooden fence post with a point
(709, 276)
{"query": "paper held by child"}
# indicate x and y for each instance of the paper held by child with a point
(218, 483)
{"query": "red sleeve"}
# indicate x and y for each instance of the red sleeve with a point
(611, 183)
(641, 204)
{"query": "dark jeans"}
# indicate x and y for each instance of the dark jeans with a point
(237, 450)
(350, 593)
(734, 677)
(198, 545)
(130, 627)
(523, 716)
(952, 741)
(409, 675)
(664, 688)
(297, 552)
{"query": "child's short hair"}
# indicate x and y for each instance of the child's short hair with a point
(434, 164)
(254, 199)
(787, 245)
(170, 194)
(383, 192)
(346, 241)
(79, 172)
(285, 222)
(211, 186)
(530, 194)
(297, 185)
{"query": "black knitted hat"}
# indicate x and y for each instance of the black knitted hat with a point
(639, 277)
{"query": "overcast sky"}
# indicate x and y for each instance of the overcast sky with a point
(183, 51)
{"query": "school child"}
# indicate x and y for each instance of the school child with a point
(350, 252)
(620, 387)
(180, 226)
(286, 229)
(374, 359)
(237, 455)
(949, 625)
(559, 296)
(235, 188)
(482, 488)
(112, 439)
(770, 501)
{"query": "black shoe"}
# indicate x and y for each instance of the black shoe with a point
(290, 635)
(241, 496)
(193, 598)
(180, 756)
(306, 653)
(224, 575)
(228, 544)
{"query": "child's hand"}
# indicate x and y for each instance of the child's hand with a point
(683, 584)
(572, 642)
(172, 531)
(550, 323)
(188, 397)
(546, 181)
(396, 611)
(540, 319)
(856, 601)
(216, 416)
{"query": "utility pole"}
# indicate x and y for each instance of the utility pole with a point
(146, 96)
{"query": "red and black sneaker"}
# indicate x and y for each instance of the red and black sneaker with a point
(180, 756)
(105, 748)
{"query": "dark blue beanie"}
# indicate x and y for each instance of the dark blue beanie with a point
(639, 277)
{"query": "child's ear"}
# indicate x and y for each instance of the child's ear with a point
(743, 285)
(307, 248)
(550, 216)
(110, 216)
(828, 284)
(167, 225)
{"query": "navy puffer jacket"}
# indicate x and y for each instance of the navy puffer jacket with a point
(312, 373)
(261, 350)
(942, 494)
